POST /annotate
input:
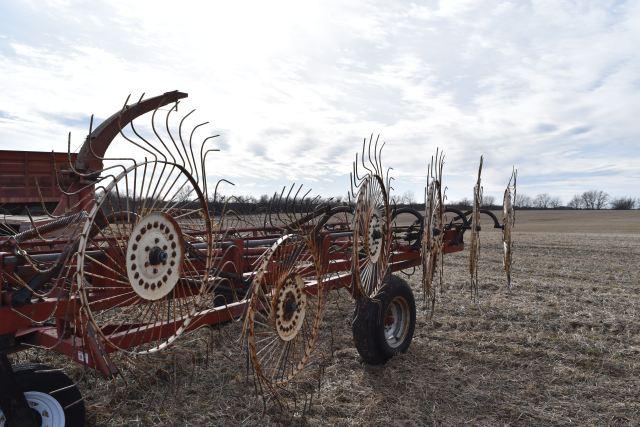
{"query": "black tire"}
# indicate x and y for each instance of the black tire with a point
(374, 341)
(42, 378)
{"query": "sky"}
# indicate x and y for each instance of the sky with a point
(293, 87)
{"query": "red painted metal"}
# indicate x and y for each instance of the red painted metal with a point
(20, 170)
(86, 349)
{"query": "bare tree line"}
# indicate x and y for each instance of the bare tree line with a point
(591, 200)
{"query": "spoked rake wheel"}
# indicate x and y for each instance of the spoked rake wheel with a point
(508, 221)
(284, 312)
(474, 249)
(371, 236)
(432, 239)
(144, 257)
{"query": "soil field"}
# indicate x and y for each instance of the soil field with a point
(562, 347)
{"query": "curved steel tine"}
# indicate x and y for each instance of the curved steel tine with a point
(139, 145)
(295, 197)
(193, 157)
(44, 207)
(357, 170)
(288, 199)
(143, 139)
(278, 203)
(364, 144)
(371, 163)
(351, 184)
(166, 121)
(126, 101)
(295, 202)
(99, 179)
(375, 155)
(184, 147)
(389, 178)
(379, 155)
(69, 151)
(272, 201)
(4, 226)
(155, 131)
(204, 167)
(35, 228)
(215, 192)
(110, 158)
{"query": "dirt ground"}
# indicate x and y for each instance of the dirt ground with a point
(562, 347)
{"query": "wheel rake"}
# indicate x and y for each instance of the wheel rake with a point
(140, 251)
(433, 239)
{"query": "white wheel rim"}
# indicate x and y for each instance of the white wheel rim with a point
(396, 322)
(50, 410)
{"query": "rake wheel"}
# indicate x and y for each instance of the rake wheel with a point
(474, 249)
(284, 314)
(371, 236)
(508, 221)
(144, 256)
(432, 239)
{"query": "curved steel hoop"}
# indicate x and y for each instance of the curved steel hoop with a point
(285, 311)
(410, 234)
(144, 257)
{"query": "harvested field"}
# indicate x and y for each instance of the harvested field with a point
(563, 347)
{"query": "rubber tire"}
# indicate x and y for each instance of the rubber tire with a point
(368, 322)
(34, 377)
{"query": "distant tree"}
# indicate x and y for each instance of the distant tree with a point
(623, 203)
(408, 198)
(523, 201)
(576, 202)
(462, 204)
(488, 201)
(594, 199)
(184, 194)
(555, 202)
(542, 201)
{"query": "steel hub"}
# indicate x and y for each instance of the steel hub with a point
(290, 307)
(375, 235)
(154, 256)
(396, 322)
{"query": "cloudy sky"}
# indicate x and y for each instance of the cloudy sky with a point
(293, 87)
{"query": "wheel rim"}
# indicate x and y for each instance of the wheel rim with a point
(396, 322)
(46, 406)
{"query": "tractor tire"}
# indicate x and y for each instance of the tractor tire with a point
(51, 394)
(383, 326)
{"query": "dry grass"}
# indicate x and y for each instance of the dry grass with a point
(562, 348)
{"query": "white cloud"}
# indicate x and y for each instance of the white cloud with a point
(294, 86)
